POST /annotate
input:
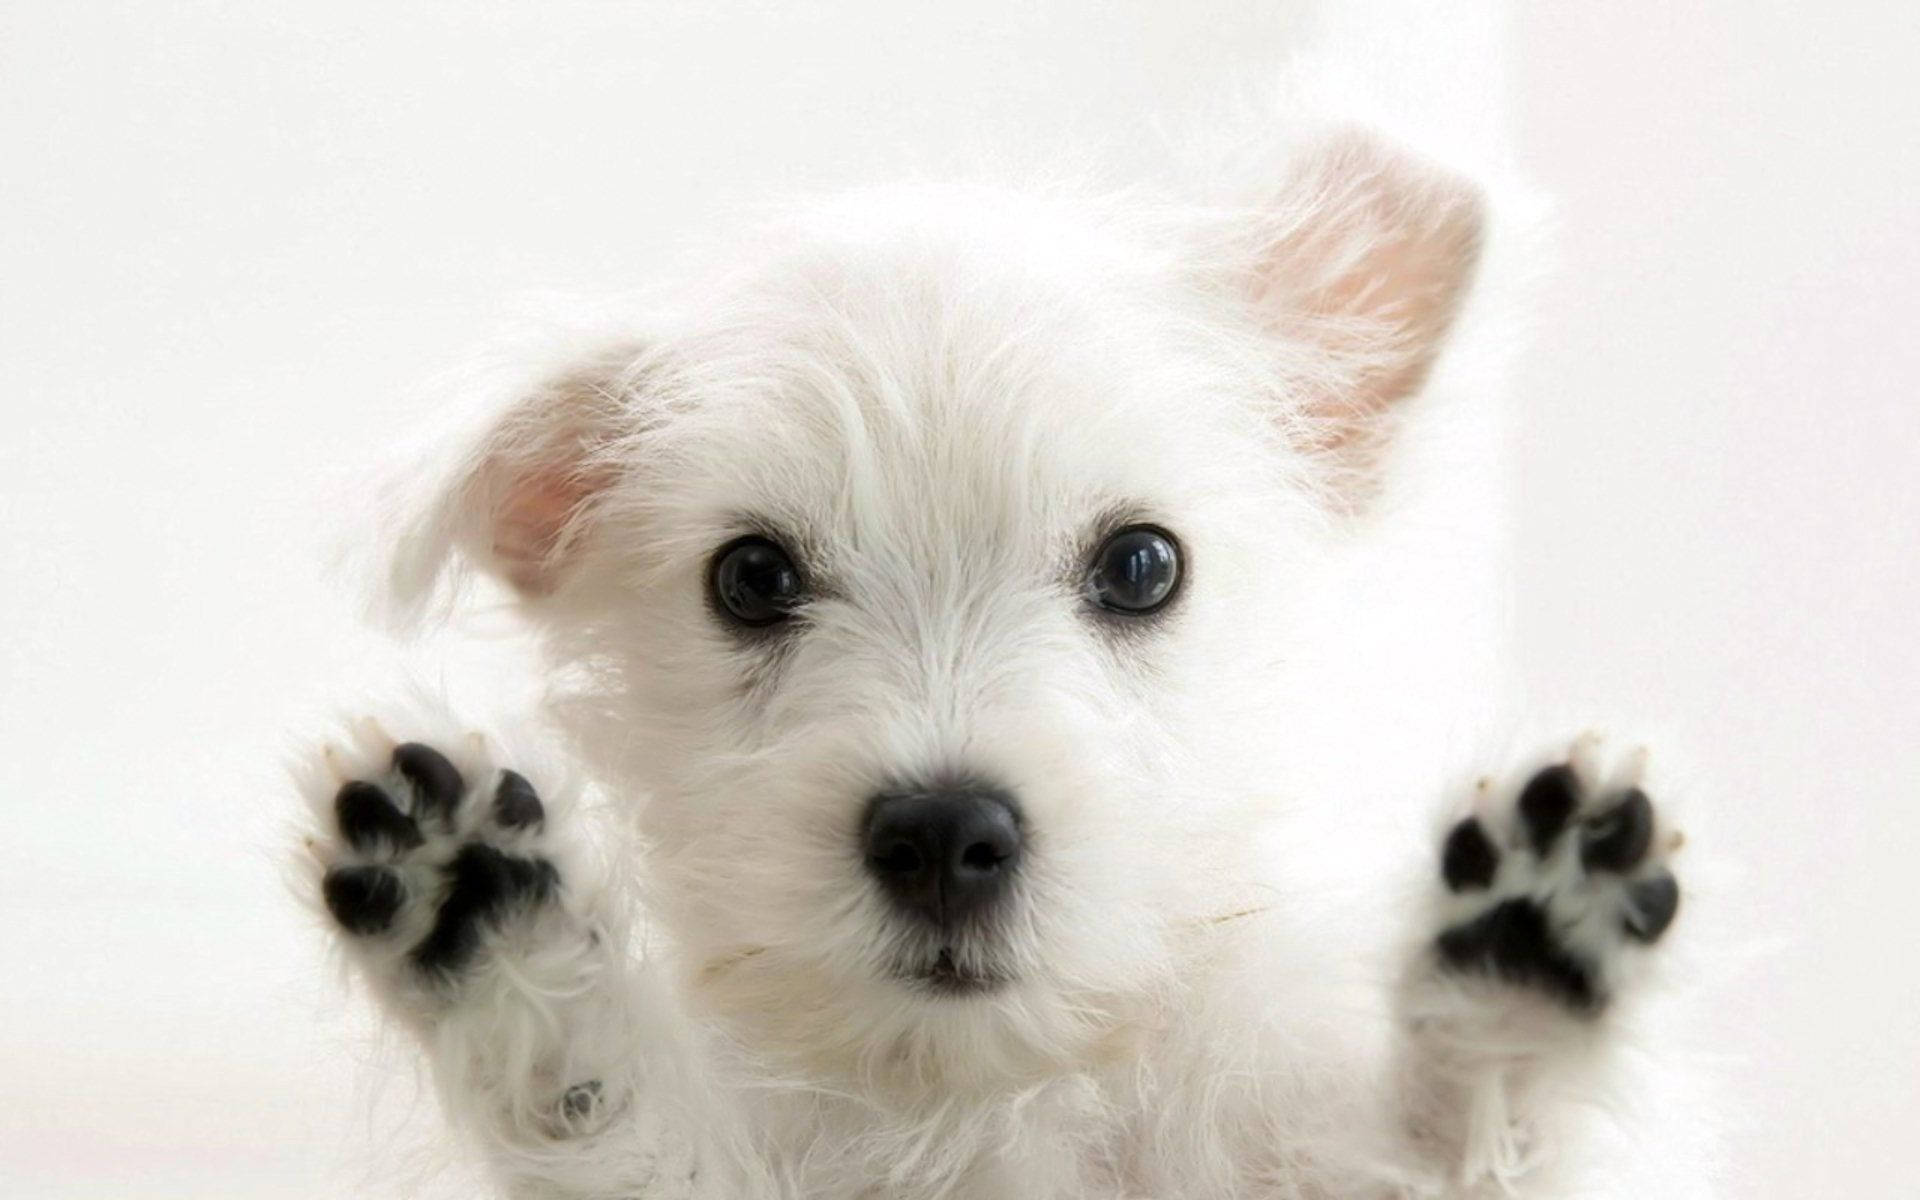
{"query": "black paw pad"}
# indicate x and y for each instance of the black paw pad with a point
(363, 899)
(1617, 839)
(1469, 860)
(1651, 905)
(1547, 804)
(1513, 942)
(515, 804)
(581, 1102)
(436, 781)
(368, 818)
(482, 884)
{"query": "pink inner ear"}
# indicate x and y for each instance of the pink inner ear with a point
(1374, 273)
(1408, 286)
(531, 521)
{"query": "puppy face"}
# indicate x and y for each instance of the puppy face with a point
(924, 579)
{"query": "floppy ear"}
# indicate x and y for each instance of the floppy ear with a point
(1366, 260)
(523, 497)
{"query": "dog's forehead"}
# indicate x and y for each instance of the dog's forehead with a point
(939, 366)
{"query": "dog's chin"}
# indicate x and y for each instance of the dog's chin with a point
(947, 977)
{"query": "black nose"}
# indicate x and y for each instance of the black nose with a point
(944, 853)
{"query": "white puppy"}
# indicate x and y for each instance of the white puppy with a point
(948, 601)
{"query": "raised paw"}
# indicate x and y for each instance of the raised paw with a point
(1549, 890)
(426, 862)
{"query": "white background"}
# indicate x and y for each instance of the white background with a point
(234, 239)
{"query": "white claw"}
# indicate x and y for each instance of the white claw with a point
(337, 770)
(374, 736)
(1633, 769)
(1584, 755)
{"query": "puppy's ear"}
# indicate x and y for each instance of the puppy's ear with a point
(1366, 261)
(523, 497)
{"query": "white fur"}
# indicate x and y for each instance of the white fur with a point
(936, 395)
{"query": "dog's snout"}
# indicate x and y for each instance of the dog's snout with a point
(944, 853)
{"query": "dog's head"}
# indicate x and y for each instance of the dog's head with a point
(927, 579)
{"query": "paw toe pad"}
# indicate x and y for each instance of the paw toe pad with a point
(1547, 803)
(1470, 859)
(515, 804)
(368, 819)
(1652, 904)
(437, 785)
(1619, 838)
(363, 899)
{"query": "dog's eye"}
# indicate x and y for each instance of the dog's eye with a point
(1135, 572)
(754, 581)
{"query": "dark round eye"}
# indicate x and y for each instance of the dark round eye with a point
(1135, 571)
(754, 581)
